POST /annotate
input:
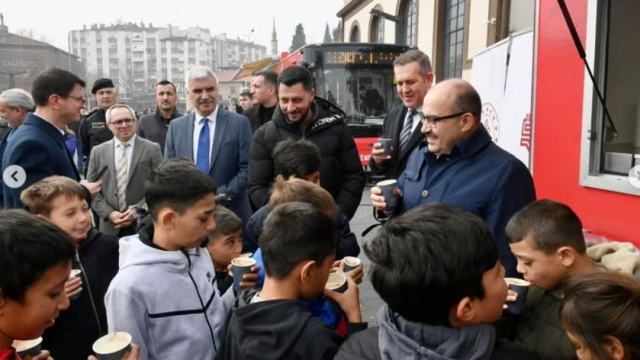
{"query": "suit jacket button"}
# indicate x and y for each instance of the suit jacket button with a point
(425, 193)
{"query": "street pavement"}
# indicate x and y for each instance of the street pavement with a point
(370, 302)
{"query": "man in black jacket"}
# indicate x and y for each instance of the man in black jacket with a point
(438, 271)
(93, 130)
(265, 97)
(302, 116)
(154, 126)
(402, 124)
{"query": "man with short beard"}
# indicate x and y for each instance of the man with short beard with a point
(154, 127)
(93, 130)
(300, 115)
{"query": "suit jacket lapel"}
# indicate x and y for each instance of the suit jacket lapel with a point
(395, 140)
(221, 126)
(188, 137)
(111, 159)
(135, 157)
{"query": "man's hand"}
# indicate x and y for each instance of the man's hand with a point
(356, 274)
(127, 218)
(512, 297)
(377, 200)
(249, 280)
(376, 154)
(73, 286)
(93, 187)
(349, 301)
(134, 354)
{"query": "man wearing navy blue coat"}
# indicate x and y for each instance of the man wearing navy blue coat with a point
(458, 164)
(217, 140)
(38, 146)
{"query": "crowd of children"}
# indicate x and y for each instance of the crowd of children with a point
(436, 268)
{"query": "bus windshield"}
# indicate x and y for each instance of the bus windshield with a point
(364, 93)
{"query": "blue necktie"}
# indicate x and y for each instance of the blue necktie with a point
(202, 158)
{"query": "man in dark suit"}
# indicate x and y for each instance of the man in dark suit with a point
(217, 140)
(402, 124)
(38, 146)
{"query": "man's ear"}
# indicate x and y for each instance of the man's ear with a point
(307, 271)
(613, 346)
(167, 218)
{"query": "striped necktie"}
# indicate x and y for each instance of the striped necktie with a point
(122, 177)
(406, 129)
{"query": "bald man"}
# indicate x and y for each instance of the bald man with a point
(458, 164)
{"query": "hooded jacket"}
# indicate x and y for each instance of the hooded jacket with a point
(85, 321)
(341, 172)
(397, 338)
(277, 329)
(167, 300)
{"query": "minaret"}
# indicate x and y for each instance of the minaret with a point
(274, 40)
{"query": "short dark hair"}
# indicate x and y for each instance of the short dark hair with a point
(468, 99)
(415, 56)
(429, 259)
(270, 77)
(226, 222)
(601, 304)
(29, 246)
(550, 225)
(54, 82)
(296, 157)
(177, 185)
(294, 75)
(295, 232)
(166, 82)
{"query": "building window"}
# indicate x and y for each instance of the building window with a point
(377, 28)
(410, 19)
(609, 157)
(355, 34)
(453, 39)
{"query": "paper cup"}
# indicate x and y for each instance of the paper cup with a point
(521, 287)
(113, 346)
(386, 146)
(388, 188)
(350, 263)
(75, 273)
(337, 282)
(31, 348)
(241, 266)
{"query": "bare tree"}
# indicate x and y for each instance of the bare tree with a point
(29, 33)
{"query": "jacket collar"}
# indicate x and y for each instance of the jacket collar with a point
(35, 120)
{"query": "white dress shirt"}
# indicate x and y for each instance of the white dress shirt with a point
(197, 127)
(118, 149)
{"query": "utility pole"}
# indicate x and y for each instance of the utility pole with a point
(12, 75)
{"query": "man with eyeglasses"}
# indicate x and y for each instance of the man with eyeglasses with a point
(93, 129)
(38, 147)
(458, 164)
(129, 160)
(413, 74)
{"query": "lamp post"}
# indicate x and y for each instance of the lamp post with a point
(12, 77)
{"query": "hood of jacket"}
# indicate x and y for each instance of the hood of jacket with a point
(269, 325)
(403, 339)
(325, 114)
(139, 249)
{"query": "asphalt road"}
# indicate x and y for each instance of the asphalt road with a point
(369, 300)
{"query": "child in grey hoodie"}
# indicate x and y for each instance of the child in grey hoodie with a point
(165, 293)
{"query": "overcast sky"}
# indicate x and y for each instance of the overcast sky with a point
(54, 19)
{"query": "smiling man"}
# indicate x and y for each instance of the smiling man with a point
(217, 140)
(459, 165)
(301, 115)
(154, 127)
(412, 71)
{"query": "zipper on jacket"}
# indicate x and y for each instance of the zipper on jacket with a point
(85, 278)
(204, 311)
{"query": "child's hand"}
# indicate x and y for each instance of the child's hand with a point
(73, 286)
(357, 274)
(512, 297)
(133, 355)
(250, 280)
(349, 301)
(44, 355)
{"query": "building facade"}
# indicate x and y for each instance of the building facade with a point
(451, 32)
(22, 59)
(137, 56)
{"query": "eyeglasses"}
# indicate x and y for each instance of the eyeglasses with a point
(122, 121)
(80, 99)
(432, 120)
